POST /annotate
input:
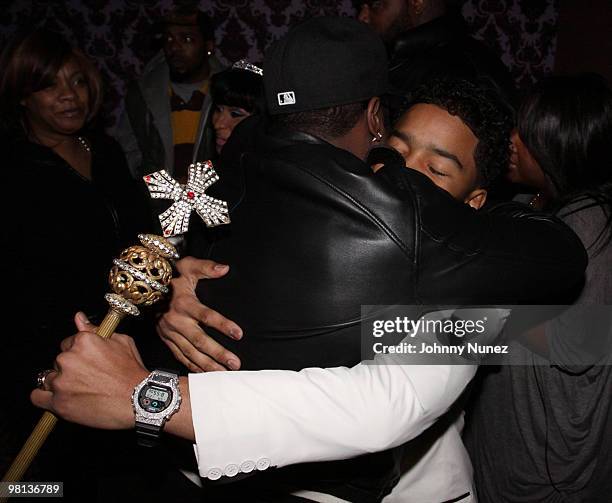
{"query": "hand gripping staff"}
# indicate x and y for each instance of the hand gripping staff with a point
(142, 273)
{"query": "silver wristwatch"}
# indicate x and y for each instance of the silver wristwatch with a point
(155, 399)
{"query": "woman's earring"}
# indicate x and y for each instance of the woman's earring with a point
(377, 138)
(208, 53)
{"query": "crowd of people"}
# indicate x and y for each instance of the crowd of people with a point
(380, 161)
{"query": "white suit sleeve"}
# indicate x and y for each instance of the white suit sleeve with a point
(247, 421)
(253, 420)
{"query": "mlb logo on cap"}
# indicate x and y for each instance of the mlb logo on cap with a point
(326, 62)
(286, 98)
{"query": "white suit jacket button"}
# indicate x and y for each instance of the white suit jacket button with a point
(263, 464)
(214, 474)
(231, 470)
(247, 466)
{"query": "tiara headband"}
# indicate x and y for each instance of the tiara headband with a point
(243, 64)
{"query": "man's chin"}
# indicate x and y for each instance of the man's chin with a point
(180, 76)
(177, 75)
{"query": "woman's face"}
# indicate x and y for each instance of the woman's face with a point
(524, 169)
(63, 107)
(225, 118)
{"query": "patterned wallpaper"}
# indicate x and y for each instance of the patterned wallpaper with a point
(522, 32)
(117, 34)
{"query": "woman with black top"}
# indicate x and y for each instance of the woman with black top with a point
(540, 429)
(69, 205)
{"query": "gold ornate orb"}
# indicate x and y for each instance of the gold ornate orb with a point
(141, 274)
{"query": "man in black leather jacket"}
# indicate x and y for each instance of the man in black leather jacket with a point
(315, 235)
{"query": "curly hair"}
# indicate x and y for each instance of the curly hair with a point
(481, 108)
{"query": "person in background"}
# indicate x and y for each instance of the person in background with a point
(428, 39)
(166, 121)
(542, 431)
(236, 93)
(75, 206)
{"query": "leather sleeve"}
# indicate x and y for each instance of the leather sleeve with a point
(508, 254)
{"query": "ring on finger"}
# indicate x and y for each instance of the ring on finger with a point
(42, 377)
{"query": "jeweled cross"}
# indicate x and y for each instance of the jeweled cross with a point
(175, 220)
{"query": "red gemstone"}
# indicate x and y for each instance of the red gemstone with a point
(147, 178)
(190, 195)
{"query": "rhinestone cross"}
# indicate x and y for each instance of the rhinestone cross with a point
(175, 220)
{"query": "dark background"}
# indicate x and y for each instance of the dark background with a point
(117, 34)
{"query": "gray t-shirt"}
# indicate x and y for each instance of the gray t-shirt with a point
(185, 90)
(543, 432)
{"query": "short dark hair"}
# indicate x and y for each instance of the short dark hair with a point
(238, 88)
(190, 15)
(332, 122)
(30, 63)
(481, 108)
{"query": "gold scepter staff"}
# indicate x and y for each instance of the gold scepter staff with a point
(141, 274)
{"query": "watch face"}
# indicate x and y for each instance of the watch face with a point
(154, 398)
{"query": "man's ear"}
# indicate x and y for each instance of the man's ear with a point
(476, 198)
(374, 117)
(364, 14)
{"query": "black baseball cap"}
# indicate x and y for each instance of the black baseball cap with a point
(324, 62)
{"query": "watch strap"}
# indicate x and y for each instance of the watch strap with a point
(147, 435)
(162, 375)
